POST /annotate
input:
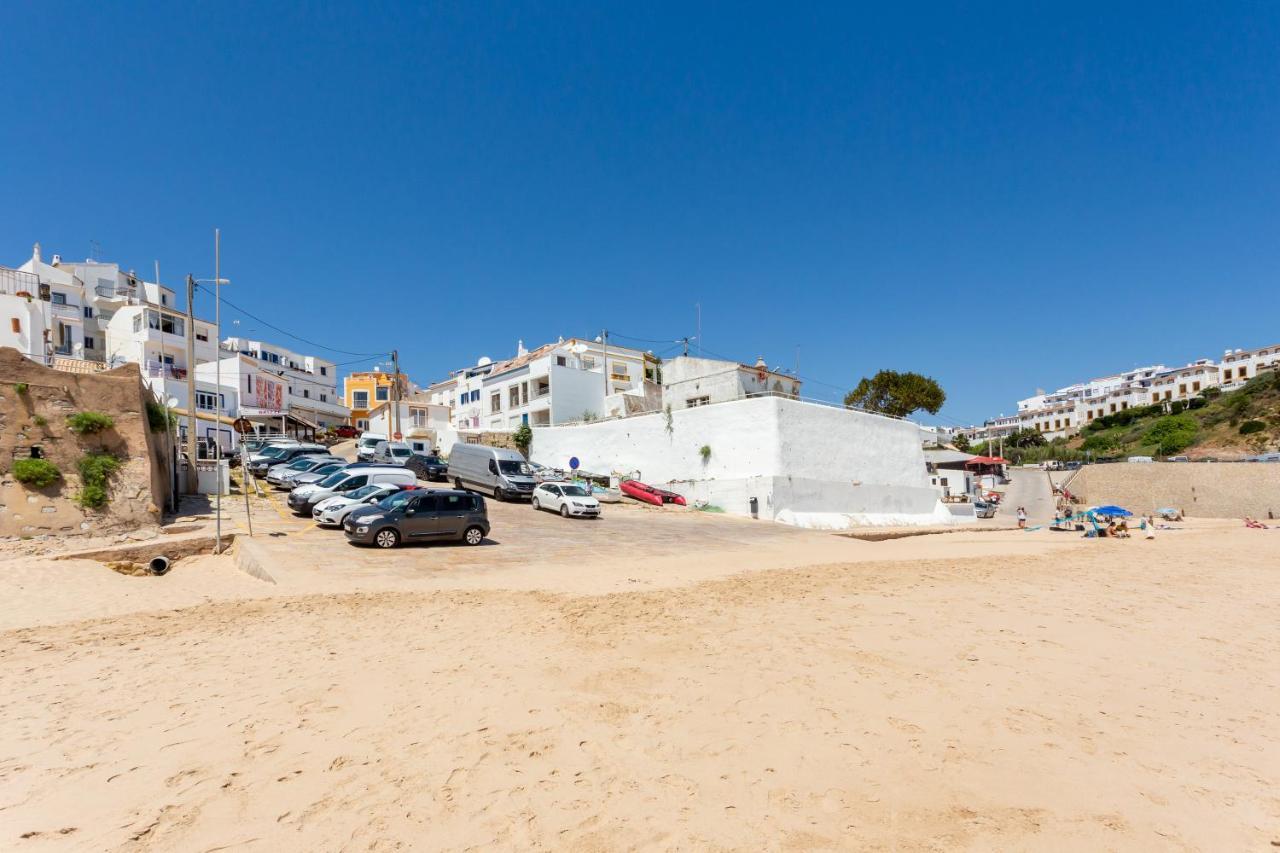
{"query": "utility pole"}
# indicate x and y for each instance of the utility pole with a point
(393, 414)
(192, 477)
(604, 357)
(217, 391)
(686, 344)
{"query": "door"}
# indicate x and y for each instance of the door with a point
(420, 521)
(452, 511)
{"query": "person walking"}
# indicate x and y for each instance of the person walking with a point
(1022, 518)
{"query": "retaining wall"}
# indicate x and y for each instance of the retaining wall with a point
(1204, 489)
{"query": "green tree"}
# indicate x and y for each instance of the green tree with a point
(1172, 433)
(523, 437)
(961, 442)
(898, 394)
(1026, 438)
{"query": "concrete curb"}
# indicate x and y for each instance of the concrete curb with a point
(173, 547)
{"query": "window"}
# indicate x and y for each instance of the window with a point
(205, 401)
(202, 336)
(1195, 386)
(462, 400)
(359, 399)
(88, 311)
(324, 398)
(58, 298)
(1242, 372)
(324, 371)
(697, 401)
(513, 396)
(382, 393)
(588, 362)
(166, 323)
(306, 392)
(164, 299)
(362, 424)
(1182, 389)
(419, 417)
(620, 370)
(560, 361)
(1226, 375)
(495, 403)
(475, 398)
(89, 342)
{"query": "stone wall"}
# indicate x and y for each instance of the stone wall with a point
(37, 417)
(1204, 489)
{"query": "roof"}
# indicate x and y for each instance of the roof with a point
(988, 460)
(944, 456)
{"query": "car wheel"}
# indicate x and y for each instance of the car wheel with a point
(499, 494)
(473, 536)
(564, 511)
(387, 537)
(535, 504)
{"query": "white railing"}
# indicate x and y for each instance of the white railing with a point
(166, 371)
(70, 312)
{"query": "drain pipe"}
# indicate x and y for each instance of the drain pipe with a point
(158, 565)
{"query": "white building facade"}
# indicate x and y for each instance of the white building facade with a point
(310, 384)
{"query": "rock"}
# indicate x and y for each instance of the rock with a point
(32, 499)
(84, 525)
(48, 509)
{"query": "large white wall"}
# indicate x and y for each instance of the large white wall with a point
(573, 392)
(804, 464)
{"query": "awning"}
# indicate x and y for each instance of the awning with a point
(988, 460)
(201, 416)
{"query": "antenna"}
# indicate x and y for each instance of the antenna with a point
(698, 307)
(95, 249)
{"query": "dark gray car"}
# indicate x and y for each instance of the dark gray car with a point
(420, 516)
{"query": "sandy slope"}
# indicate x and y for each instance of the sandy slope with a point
(1121, 697)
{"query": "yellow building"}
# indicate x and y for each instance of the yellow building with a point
(366, 391)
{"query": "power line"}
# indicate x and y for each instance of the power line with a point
(614, 334)
(365, 355)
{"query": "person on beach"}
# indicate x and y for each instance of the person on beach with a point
(1022, 518)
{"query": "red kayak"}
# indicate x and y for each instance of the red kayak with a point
(648, 494)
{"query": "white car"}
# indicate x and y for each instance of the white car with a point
(568, 499)
(335, 509)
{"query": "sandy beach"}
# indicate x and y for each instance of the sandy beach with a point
(1074, 695)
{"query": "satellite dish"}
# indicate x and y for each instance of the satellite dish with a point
(484, 361)
(172, 402)
(578, 349)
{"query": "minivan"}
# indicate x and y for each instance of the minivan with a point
(367, 443)
(493, 470)
(396, 452)
(303, 498)
(419, 516)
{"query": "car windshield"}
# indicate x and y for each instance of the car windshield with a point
(510, 466)
(273, 451)
(369, 442)
(333, 479)
(329, 468)
(302, 464)
(395, 500)
(576, 492)
(365, 491)
(401, 451)
(433, 460)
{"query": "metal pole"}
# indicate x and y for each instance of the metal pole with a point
(192, 477)
(217, 391)
(604, 365)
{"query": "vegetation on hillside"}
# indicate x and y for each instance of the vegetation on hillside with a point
(87, 423)
(96, 470)
(35, 472)
(1246, 420)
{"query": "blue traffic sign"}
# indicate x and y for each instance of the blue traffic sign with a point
(573, 463)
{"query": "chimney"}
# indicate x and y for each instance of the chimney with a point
(760, 363)
(520, 350)
(35, 256)
(57, 259)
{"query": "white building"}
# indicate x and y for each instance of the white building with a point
(310, 384)
(557, 383)
(688, 382)
(1239, 366)
(423, 425)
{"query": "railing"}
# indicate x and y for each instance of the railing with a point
(70, 312)
(115, 292)
(750, 396)
(167, 371)
(13, 282)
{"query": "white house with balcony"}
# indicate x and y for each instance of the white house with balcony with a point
(310, 384)
(1238, 366)
(562, 382)
(423, 425)
(45, 304)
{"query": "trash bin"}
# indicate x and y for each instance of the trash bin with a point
(755, 507)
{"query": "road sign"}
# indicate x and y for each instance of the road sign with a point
(573, 463)
(398, 436)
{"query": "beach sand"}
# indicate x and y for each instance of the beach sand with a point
(1117, 695)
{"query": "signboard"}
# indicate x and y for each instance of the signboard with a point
(244, 426)
(269, 394)
(398, 435)
(573, 463)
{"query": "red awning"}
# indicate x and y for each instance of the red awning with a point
(988, 460)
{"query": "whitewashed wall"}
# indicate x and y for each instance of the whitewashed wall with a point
(805, 464)
(574, 392)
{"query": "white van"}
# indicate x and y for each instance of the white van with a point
(394, 452)
(492, 470)
(303, 498)
(366, 444)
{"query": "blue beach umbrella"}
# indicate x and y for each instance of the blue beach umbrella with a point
(1111, 510)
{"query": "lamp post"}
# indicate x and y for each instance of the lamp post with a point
(217, 282)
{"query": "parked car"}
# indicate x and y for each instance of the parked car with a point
(315, 475)
(348, 479)
(493, 470)
(335, 509)
(391, 451)
(983, 509)
(543, 474)
(419, 516)
(429, 468)
(568, 499)
(366, 444)
(345, 431)
(278, 474)
(260, 463)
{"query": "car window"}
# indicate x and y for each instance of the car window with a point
(426, 503)
(510, 466)
(456, 503)
(396, 499)
(329, 468)
(365, 491)
(355, 482)
(555, 490)
(575, 491)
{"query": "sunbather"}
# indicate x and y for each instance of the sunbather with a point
(1256, 525)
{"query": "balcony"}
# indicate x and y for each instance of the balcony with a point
(165, 371)
(66, 312)
(14, 282)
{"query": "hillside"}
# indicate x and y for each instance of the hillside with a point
(1243, 422)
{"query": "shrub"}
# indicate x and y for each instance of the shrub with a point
(1172, 434)
(1099, 442)
(35, 472)
(705, 450)
(1252, 426)
(523, 437)
(1197, 403)
(1177, 407)
(86, 423)
(159, 419)
(1211, 393)
(20, 387)
(96, 470)
(39, 420)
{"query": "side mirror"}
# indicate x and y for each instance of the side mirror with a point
(410, 511)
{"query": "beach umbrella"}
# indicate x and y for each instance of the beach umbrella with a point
(1111, 510)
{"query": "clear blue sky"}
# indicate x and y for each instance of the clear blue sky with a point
(1001, 195)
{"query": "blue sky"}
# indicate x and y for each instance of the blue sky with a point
(1002, 195)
